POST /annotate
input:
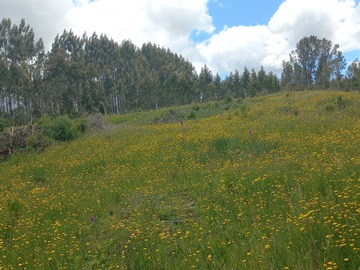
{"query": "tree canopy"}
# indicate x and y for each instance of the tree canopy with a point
(88, 74)
(313, 64)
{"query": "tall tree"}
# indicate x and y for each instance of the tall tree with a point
(244, 82)
(205, 84)
(253, 86)
(314, 63)
(287, 76)
(18, 54)
(218, 87)
(353, 75)
(262, 80)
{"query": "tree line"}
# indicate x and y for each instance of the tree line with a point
(318, 64)
(89, 74)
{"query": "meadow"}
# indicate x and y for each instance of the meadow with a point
(271, 182)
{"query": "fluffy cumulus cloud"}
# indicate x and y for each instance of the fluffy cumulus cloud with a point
(47, 18)
(171, 23)
(268, 45)
(163, 22)
(167, 23)
(240, 46)
(336, 20)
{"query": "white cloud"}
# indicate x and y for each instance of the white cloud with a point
(336, 20)
(237, 47)
(170, 24)
(167, 23)
(47, 18)
(268, 45)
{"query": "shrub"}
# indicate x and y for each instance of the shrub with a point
(13, 140)
(196, 107)
(340, 103)
(80, 124)
(62, 128)
(228, 99)
(191, 115)
(4, 123)
(169, 117)
(38, 141)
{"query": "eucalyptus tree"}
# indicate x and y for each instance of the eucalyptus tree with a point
(228, 85)
(261, 76)
(272, 82)
(19, 52)
(244, 82)
(173, 77)
(218, 84)
(237, 85)
(253, 86)
(314, 63)
(205, 84)
(287, 75)
(353, 75)
(65, 74)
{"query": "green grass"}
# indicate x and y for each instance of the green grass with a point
(266, 183)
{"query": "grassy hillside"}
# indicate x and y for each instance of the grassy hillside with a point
(269, 183)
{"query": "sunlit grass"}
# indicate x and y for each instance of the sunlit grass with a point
(269, 183)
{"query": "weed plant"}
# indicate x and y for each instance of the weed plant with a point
(253, 187)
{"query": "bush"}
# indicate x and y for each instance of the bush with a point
(228, 99)
(40, 136)
(169, 117)
(13, 140)
(4, 123)
(191, 115)
(196, 107)
(62, 128)
(38, 141)
(340, 103)
(80, 124)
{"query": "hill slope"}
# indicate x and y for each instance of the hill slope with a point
(272, 182)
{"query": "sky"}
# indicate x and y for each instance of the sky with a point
(223, 34)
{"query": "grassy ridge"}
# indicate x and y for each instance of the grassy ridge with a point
(272, 183)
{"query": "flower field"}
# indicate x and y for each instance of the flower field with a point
(273, 183)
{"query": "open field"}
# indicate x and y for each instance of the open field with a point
(266, 183)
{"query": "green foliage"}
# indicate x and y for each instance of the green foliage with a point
(244, 111)
(266, 191)
(340, 103)
(196, 107)
(62, 128)
(80, 124)
(15, 206)
(13, 140)
(38, 176)
(313, 64)
(191, 115)
(4, 123)
(95, 74)
(228, 99)
(169, 116)
(38, 141)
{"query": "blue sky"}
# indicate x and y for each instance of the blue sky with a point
(240, 12)
(229, 13)
(232, 13)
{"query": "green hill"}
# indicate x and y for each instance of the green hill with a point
(266, 183)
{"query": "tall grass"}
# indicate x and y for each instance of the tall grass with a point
(272, 183)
